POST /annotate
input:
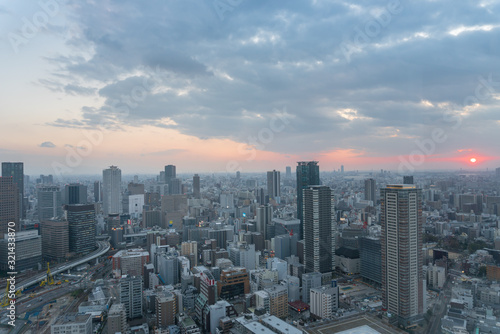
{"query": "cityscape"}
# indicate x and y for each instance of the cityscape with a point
(250, 167)
(307, 251)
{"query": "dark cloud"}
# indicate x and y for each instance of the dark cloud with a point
(179, 65)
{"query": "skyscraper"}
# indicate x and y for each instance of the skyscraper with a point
(401, 244)
(112, 190)
(97, 191)
(169, 173)
(370, 190)
(131, 295)
(319, 229)
(408, 179)
(273, 185)
(9, 204)
(307, 175)
(75, 193)
(196, 186)
(55, 239)
(175, 186)
(288, 173)
(264, 218)
(49, 202)
(81, 225)
(15, 170)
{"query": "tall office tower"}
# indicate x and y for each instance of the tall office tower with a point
(112, 190)
(9, 204)
(131, 295)
(81, 225)
(273, 185)
(408, 179)
(97, 191)
(75, 193)
(342, 168)
(307, 175)
(45, 179)
(49, 202)
(170, 173)
(370, 258)
(497, 172)
(261, 197)
(55, 240)
(370, 190)
(264, 218)
(175, 186)
(319, 229)
(196, 186)
(401, 244)
(15, 170)
(288, 173)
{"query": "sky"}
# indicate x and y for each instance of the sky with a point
(226, 85)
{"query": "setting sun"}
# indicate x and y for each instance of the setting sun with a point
(473, 160)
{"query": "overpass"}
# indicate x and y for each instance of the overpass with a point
(102, 248)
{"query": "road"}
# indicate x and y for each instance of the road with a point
(439, 309)
(102, 249)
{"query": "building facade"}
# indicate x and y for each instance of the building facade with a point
(82, 228)
(307, 175)
(319, 229)
(112, 190)
(402, 259)
(131, 295)
(55, 239)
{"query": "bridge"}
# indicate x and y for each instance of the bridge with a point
(102, 248)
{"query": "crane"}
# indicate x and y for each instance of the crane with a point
(6, 300)
(49, 280)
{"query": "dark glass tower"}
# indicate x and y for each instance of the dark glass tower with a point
(15, 170)
(9, 205)
(75, 193)
(320, 227)
(81, 223)
(196, 186)
(307, 175)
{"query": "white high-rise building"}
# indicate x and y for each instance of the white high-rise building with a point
(401, 245)
(112, 190)
(324, 301)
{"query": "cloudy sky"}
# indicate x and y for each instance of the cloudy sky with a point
(249, 85)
